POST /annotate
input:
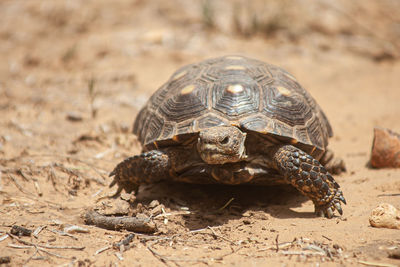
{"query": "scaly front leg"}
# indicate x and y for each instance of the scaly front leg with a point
(148, 167)
(309, 177)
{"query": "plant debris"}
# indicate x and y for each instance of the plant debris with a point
(132, 224)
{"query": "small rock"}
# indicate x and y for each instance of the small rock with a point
(154, 204)
(157, 210)
(5, 260)
(385, 216)
(74, 116)
(395, 254)
(71, 229)
(130, 197)
(385, 149)
(20, 230)
(246, 221)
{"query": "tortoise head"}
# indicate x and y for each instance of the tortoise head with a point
(221, 144)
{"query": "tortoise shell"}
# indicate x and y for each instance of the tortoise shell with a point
(233, 90)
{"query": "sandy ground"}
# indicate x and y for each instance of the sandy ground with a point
(73, 75)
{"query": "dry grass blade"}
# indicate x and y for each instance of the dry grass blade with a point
(165, 259)
(370, 263)
(43, 246)
(102, 250)
(20, 188)
(38, 230)
(305, 253)
(226, 204)
(62, 233)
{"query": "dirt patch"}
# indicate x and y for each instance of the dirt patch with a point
(73, 75)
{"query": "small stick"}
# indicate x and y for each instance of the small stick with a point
(164, 259)
(314, 248)
(63, 233)
(119, 256)
(172, 214)
(53, 254)
(223, 238)
(33, 255)
(226, 204)
(101, 250)
(38, 230)
(52, 176)
(389, 195)
(43, 246)
(3, 237)
(124, 242)
(19, 246)
(20, 188)
(326, 237)
(37, 187)
(20, 172)
(369, 263)
(276, 242)
(305, 253)
(132, 224)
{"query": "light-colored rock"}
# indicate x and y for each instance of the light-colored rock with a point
(385, 216)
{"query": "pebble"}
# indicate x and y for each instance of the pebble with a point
(385, 216)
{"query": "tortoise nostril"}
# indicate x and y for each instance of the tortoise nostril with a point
(225, 140)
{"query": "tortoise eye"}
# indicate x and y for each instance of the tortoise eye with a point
(225, 140)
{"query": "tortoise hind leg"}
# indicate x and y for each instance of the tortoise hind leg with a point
(309, 177)
(333, 164)
(148, 167)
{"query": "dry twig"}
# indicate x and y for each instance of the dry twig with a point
(370, 263)
(20, 188)
(102, 250)
(27, 243)
(62, 233)
(38, 230)
(132, 224)
(124, 243)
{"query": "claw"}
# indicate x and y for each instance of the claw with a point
(113, 182)
(341, 198)
(329, 213)
(339, 208)
(112, 173)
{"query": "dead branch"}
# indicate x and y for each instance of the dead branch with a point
(132, 224)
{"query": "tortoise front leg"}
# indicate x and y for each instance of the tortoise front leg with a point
(148, 167)
(309, 177)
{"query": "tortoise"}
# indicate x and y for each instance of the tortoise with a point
(235, 120)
